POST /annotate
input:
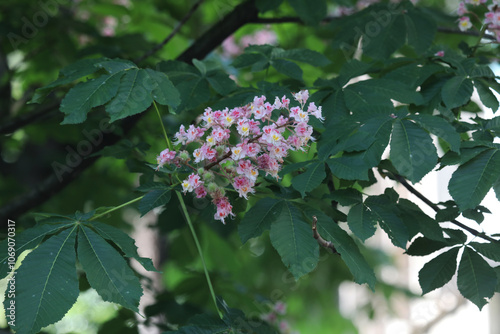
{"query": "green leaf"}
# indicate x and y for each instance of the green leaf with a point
(28, 239)
(472, 180)
(438, 271)
(259, 218)
(154, 199)
(457, 91)
(132, 98)
(486, 95)
(287, 68)
(192, 87)
(440, 128)
(422, 246)
(496, 188)
(200, 66)
(310, 179)
(418, 222)
(420, 29)
(123, 241)
(361, 221)
(221, 82)
(385, 89)
(310, 14)
(249, 59)
(476, 279)
(412, 151)
(162, 89)
(267, 5)
(306, 56)
(346, 197)
(349, 167)
(107, 272)
(384, 211)
(291, 236)
(346, 247)
(87, 95)
(46, 283)
(490, 250)
(78, 69)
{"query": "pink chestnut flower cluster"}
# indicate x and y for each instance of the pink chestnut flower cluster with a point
(262, 143)
(491, 17)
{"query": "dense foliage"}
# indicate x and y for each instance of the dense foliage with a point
(160, 106)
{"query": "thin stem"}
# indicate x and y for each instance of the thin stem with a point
(437, 209)
(200, 252)
(169, 144)
(116, 208)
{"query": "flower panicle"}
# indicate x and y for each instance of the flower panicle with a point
(263, 142)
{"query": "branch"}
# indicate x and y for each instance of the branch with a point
(172, 34)
(242, 14)
(322, 242)
(15, 124)
(436, 208)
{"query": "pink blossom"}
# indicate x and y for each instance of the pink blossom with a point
(280, 307)
(237, 152)
(462, 10)
(243, 186)
(464, 23)
(200, 192)
(224, 209)
(166, 156)
(439, 53)
(191, 183)
(301, 96)
(315, 111)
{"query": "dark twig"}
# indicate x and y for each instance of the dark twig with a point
(322, 242)
(15, 124)
(436, 208)
(171, 35)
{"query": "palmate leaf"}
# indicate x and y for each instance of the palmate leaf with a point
(490, 250)
(485, 94)
(28, 239)
(472, 180)
(422, 246)
(46, 283)
(125, 89)
(68, 74)
(438, 271)
(347, 248)
(259, 218)
(349, 167)
(107, 272)
(384, 211)
(154, 199)
(457, 91)
(361, 221)
(412, 151)
(440, 128)
(310, 179)
(87, 95)
(291, 237)
(476, 279)
(123, 241)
